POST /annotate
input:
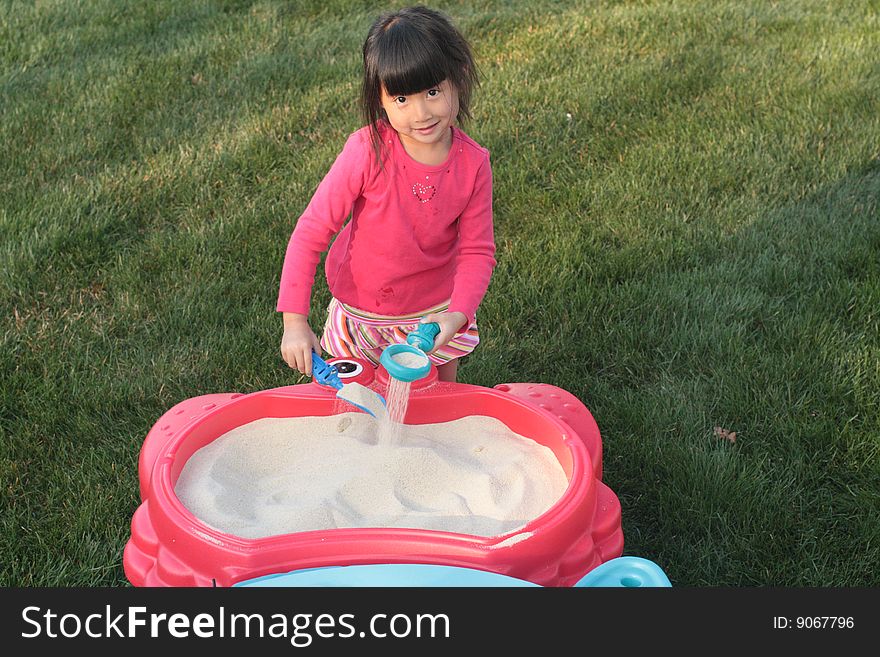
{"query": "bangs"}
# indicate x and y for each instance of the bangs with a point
(409, 51)
(408, 65)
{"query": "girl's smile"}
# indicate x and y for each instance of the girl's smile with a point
(423, 120)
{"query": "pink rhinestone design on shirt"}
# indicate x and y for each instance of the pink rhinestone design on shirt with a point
(423, 192)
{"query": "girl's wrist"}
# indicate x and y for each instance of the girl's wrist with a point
(459, 316)
(294, 319)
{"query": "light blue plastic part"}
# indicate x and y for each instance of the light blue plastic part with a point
(621, 572)
(423, 337)
(401, 372)
(626, 572)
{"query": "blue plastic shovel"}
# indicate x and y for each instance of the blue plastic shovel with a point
(328, 375)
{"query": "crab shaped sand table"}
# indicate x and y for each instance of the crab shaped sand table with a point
(169, 546)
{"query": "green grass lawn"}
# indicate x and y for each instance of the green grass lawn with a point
(686, 199)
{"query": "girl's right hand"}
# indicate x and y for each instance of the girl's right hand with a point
(298, 342)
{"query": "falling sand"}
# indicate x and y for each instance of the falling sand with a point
(282, 475)
(390, 428)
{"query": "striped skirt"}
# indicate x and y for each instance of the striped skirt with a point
(356, 333)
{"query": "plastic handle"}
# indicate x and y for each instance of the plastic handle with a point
(423, 337)
(325, 374)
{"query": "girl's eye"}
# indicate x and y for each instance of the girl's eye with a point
(432, 93)
(400, 100)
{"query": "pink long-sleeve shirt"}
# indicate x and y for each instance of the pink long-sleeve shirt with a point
(418, 234)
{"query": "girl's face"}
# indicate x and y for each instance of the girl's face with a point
(423, 119)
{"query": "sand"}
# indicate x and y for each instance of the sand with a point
(280, 475)
(410, 359)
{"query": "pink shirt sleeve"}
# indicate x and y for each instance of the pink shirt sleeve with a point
(476, 254)
(322, 219)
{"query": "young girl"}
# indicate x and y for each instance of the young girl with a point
(419, 245)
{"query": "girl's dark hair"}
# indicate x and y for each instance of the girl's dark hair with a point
(411, 50)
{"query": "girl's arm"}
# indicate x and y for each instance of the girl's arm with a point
(328, 209)
(474, 263)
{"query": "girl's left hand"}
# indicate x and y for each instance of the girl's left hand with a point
(450, 324)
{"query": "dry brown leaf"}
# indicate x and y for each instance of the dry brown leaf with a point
(729, 436)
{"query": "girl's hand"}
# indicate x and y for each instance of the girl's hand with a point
(450, 324)
(298, 342)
